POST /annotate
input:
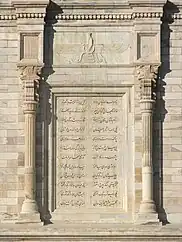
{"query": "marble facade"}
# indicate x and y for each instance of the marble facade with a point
(91, 116)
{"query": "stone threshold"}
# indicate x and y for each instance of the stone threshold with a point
(90, 232)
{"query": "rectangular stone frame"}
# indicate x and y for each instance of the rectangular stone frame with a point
(127, 213)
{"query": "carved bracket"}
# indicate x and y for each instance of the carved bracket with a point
(147, 75)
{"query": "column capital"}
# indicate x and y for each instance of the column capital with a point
(30, 75)
(30, 71)
(147, 74)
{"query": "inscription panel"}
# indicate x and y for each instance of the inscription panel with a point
(89, 152)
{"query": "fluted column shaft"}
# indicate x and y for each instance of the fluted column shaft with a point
(29, 204)
(147, 204)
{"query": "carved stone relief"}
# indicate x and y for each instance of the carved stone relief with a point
(91, 53)
(97, 47)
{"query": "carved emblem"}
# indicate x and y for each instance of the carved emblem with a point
(89, 54)
(147, 75)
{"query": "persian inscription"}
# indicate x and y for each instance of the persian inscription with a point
(89, 163)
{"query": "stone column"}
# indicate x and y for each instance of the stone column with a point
(147, 79)
(30, 80)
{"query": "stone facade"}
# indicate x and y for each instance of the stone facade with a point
(91, 116)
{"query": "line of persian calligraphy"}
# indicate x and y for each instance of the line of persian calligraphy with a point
(105, 194)
(72, 119)
(75, 101)
(78, 147)
(108, 184)
(72, 166)
(97, 156)
(73, 203)
(70, 110)
(102, 167)
(73, 184)
(105, 110)
(98, 102)
(105, 203)
(104, 175)
(72, 129)
(104, 138)
(105, 120)
(73, 157)
(105, 129)
(71, 175)
(72, 193)
(71, 138)
(104, 147)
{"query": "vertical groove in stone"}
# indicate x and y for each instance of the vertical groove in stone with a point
(30, 155)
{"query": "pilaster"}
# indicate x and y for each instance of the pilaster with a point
(30, 28)
(30, 75)
(147, 77)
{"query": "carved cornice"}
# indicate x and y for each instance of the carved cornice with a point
(97, 16)
(147, 75)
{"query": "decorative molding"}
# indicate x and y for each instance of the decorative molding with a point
(147, 75)
(98, 16)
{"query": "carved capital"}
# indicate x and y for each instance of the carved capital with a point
(30, 75)
(30, 72)
(147, 75)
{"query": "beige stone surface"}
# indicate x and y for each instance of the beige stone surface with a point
(83, 136)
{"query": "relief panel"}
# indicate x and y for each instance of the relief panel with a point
(147, 49)
(29, 46)
(91, 48)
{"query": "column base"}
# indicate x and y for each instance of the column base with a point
(29, 206)
(147, 206)
(147, 219)
(147, 213)
(29, 212)
(29, 218)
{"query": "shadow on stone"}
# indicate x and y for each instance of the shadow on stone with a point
(160, 110)
(44, 117)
